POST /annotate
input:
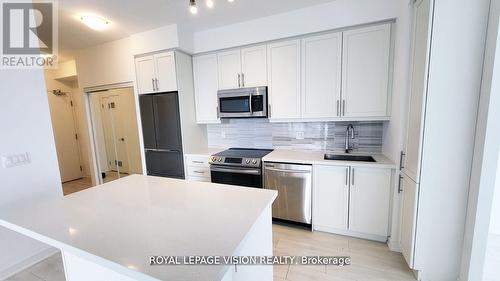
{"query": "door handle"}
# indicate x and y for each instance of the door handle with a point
(239, 80)
(400, 188)
(242, 79)
(338, 108)
(343, 107)
(156, 83)
(401, 158)
(250, 103)
(347, 176)
(352, 176)
(153, 82)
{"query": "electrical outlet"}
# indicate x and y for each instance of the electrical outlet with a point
(14, 160)
(299, 135)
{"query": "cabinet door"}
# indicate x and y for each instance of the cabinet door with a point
(254, 66)
(321, 75)
(165, 72)
(167, 121)
(205, 88)
(147, 121)
(418, 90)
(408, 219)
(284, 79)
(330, 197)
(365, 71)
(229, 64)
(145, 73)
(370, 200)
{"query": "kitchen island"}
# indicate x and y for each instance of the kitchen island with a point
(110, 232)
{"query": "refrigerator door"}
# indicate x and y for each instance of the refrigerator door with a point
(147, 121)
(165, 163)
(167, 121)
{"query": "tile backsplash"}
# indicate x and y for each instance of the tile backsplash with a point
(260, 133)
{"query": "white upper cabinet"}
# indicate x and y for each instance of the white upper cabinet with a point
(369, 200)
(145, 71)
(156, 73)
(254, 66)
(365, 71)
(321, 75)
(205, 88)
(229, 69)
(165, 72)
(330, 197)
(284, 76)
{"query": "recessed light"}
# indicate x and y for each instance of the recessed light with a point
(192, 7)
(230, 1)
(95, 22)
(210, 3)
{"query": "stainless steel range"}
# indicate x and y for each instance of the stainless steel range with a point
(238, 166)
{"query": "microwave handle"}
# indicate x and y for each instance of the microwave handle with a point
(250, 103)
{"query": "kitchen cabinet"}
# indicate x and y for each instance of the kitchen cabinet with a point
(321, 75)
(409, 203)
(330, 197)
(197, 168)
(242, 68)
(284, 79)
(369, 200)
(352, 200)
(156, 73)
(365, 71)
(205, 88)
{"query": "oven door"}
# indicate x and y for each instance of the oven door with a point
(249, 177)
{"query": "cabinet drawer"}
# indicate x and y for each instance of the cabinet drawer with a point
(200, 179)
(198, 172)
(197, 161)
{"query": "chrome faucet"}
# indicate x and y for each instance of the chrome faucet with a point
(350, 129)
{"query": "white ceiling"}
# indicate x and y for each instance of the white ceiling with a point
(131, 16)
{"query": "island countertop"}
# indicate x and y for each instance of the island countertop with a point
(120, 224)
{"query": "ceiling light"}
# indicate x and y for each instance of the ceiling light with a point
(192, 7)
(230, 1)
(210, 3)
(95, 22)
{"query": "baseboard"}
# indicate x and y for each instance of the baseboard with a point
(36, 258)
(394, 245)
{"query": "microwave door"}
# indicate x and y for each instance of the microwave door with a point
(237, 106)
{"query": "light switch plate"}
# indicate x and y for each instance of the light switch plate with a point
(14, 160)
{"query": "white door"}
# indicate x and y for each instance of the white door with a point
(321, 75)
(418, 89)
(370, 200)
(67, 146)
(409, 205)
(165, 72)
(284, 79)
(254, 66)
(330, 197)
(145, 72)
(365, 71)
(229, 64)
(119, 126)
(205, 88)
(109, 132)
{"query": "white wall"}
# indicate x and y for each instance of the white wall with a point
(495, 208)
(335, 14)
(25, 126)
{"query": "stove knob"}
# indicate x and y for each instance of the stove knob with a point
(247, 161)
(214, 159)
(254, 161)
(220, 159)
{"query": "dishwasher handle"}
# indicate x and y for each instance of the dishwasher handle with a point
(288, 171)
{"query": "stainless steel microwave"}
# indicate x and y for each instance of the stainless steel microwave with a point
(243, 103)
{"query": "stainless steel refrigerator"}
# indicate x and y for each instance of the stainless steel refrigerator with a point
(161, 130)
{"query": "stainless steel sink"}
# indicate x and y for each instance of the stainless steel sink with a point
(344, 157)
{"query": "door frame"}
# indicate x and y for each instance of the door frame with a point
(94, 163)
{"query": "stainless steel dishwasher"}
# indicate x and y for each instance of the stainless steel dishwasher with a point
(294, 185)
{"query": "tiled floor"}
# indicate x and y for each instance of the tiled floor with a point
(84, 183)
(370, 260)
(492, 260)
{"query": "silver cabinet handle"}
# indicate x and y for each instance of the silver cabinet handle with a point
(352, 176)
(198, 172)
(338, 108)
(239, 80)
(156, 83)
(217, 110)
(153, 82)
(401, 159)
(400, 186)
(242, 79)
(343, 107)
(347, 176)
(198, 162)
(269, 111)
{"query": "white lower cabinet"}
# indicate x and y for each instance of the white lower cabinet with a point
(352, 200)
(408, 219)
(197, 168)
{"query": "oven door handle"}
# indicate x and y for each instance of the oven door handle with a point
(238, 171)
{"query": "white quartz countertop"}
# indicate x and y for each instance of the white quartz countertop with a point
(205, 152)
(121, 224)
(317, 158)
